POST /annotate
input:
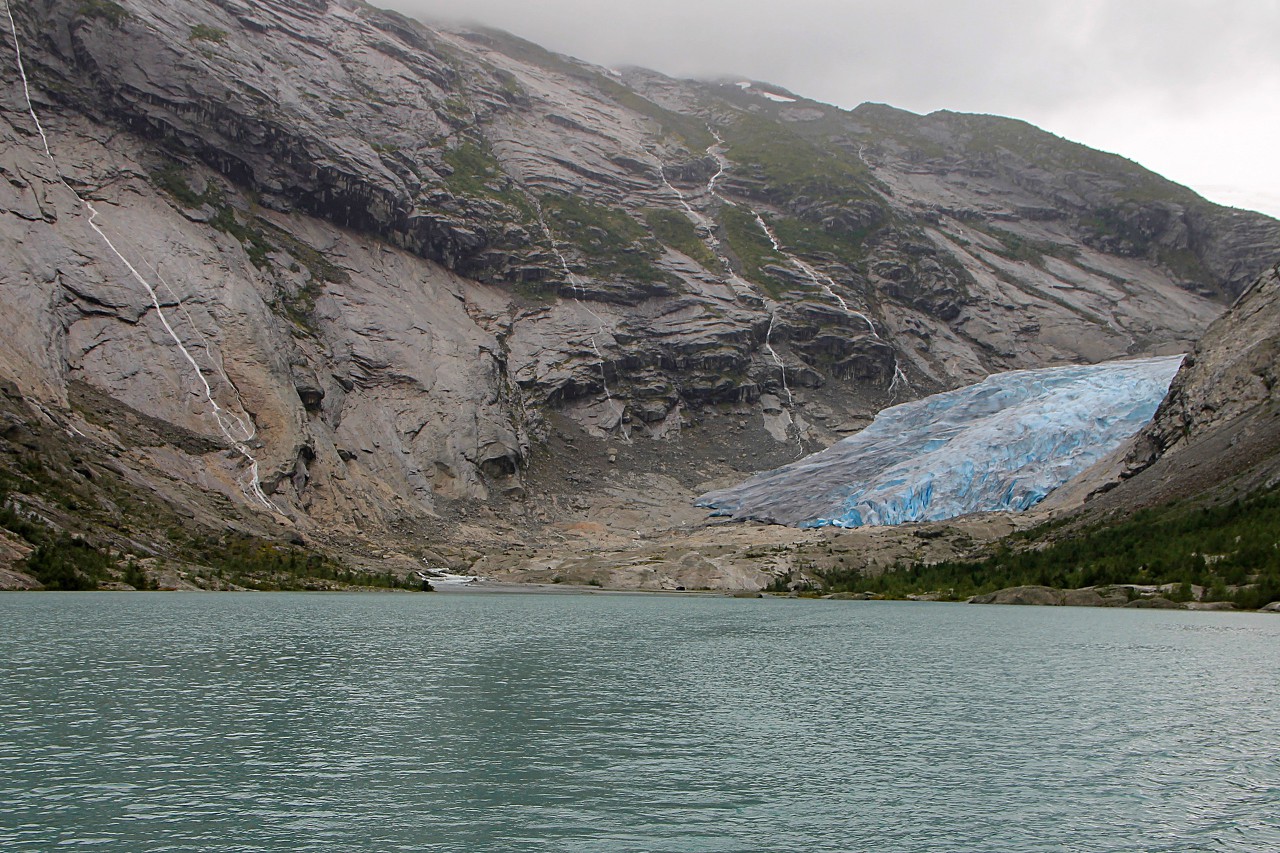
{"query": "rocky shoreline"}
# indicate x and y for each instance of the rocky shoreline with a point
(1122, 595)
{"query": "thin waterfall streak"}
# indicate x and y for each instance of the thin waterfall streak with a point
(693, 215)
(26, 89)
(722, 162)
(219, 413)
(768, 346)
(823, 281)
(782, 371)
(739, 285)
(604, 380)
(899, 378)
(736, 281)
(255, 486)
(215, 364)
(705, 228)
(579, 290)
(827, 285)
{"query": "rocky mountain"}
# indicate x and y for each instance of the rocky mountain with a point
(320, 272)
(1216, 436)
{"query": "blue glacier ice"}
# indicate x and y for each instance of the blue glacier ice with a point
(1002, 444)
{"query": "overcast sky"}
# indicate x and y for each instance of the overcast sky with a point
(1189, 88)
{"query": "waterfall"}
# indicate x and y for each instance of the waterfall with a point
(580, 291)
(827, 284)
(251, 486)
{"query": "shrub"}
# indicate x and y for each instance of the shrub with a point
(204, 32)
(68, 563)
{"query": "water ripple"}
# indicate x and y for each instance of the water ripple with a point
(621, 723)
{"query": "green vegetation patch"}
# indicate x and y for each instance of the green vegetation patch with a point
(795, 166)
(1017, 248)
(615, 245)
(64, 562)
(299, 303)
(1185, 264)
(173, 180)
(473, 168)
(255, 243)
(256, 563)
(900, 126)
(987, 134)
(478, 174)
(673, 228)
(259, 239)
(204, 32)
(59, 560)
(1232, 549)
(113, 13)
(1124, 222)
(84, 521)
(805, 238)
(752, 248)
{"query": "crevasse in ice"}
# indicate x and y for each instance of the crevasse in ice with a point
(1002, 444)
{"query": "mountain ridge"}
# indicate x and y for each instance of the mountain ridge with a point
(445, 275)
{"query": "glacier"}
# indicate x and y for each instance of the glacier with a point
(1002, 444)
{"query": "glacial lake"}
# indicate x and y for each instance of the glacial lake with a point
(616, 723)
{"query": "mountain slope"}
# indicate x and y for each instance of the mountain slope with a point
(421, 285)
(1216, 436)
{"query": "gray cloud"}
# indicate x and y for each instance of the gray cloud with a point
(1110, 73)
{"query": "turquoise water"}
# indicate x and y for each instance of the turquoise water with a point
(158, 722)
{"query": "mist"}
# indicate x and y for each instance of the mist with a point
(1186, 88)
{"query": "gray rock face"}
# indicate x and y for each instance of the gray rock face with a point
(1093, 598)
(1155, 603)
(1218, 430)
(1086, 597)
(378, 267)
(1233, 371)
(1034, 595)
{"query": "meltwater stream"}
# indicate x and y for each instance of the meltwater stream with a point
(489, 723)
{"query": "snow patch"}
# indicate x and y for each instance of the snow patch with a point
(748, 86)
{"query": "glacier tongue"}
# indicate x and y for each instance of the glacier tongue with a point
(1002, 444)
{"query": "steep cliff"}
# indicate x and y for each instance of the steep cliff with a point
(335, 273)
(1216, 436)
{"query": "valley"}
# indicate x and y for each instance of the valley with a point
(304, 288)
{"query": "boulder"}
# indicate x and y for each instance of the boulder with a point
(1156, 602)
(1096, 597)
(1037, 595)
